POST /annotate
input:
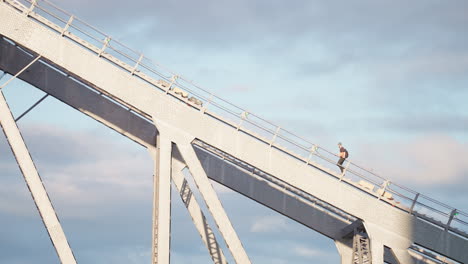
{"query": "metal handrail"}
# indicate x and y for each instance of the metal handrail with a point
(218, 102)
(286, 186)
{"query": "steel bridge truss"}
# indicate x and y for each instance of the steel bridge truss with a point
(169, 164)
(369, 219)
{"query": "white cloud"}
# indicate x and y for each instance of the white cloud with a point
(127, 254)
(429, 160)
(308, 252)
(15, 203)
(80, 170)
(266, 224)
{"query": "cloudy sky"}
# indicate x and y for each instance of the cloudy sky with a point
(389, 79)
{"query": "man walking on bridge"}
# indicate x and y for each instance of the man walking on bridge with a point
(343, 156)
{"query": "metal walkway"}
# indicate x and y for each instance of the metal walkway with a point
(213, 138)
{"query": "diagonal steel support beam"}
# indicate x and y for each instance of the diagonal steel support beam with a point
(214, 204)
(34, 182)
(22, 70)
(162, 156)
(198, 218)
(32, 107)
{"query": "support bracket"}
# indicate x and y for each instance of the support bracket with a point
(134, 69)
(32, 107)
(31, 8)
(70, 20)
(20, 72)
(104, 47)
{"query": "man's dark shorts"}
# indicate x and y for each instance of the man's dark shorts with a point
(340, 163)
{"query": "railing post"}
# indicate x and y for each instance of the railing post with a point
(313, 150)
(452, 215)
(173, 80)
(70, 20)
(31, 8)
(275, 135)
(137, 64)
(205, 106)
(104, 47)
(243, 116)
(385, 184)
(344, 170)
(414, 203)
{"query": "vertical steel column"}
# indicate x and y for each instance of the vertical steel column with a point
(345, 249)
(162, 156)
(154, 241)
(34, 182)
(377, 251)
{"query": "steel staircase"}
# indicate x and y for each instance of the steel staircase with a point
(361, 248)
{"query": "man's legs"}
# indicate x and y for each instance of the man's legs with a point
(340, 163)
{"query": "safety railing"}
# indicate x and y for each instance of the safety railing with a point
(178, 87)
(281, 185)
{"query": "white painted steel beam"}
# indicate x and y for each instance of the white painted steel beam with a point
(35, 185)
(377, 251)
(198, 218)
(213, 203)
(162, 156)
(154, 152)
(76, 95)
(345, 249)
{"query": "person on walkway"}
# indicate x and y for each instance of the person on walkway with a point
(343, 156)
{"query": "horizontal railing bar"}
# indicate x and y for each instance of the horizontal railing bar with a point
(292, 142)
(142, 64)
(123, 54)
(422, 196)
(432, 209)
(51, 14)
(54, 6)
(91, 27)
(85, 33)
(125, 46)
